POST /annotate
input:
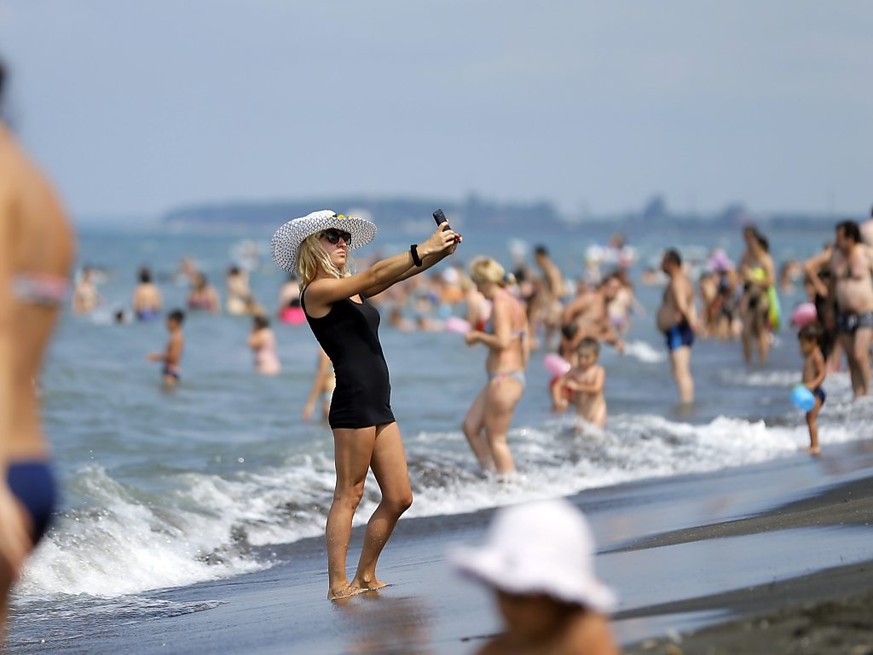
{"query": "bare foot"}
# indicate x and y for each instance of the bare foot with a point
(362, 586)
(815, 451)
(344, 592)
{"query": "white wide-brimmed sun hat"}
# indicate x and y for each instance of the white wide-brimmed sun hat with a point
(538, 547)
(288, 238)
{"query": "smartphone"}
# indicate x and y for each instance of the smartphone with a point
(441, 219)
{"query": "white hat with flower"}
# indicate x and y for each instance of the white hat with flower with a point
(287, 239)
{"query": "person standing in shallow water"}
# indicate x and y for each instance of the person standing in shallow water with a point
(852, 289)
(758, 273)
(506, 337)
(36, 255)
(676, 319)
(343, 321)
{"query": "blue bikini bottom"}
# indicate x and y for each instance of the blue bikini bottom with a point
(33, 483)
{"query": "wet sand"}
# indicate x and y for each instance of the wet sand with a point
(760, 559)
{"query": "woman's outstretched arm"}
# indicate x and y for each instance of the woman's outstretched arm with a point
(322, 292)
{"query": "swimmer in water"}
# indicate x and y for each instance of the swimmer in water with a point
(172, 355)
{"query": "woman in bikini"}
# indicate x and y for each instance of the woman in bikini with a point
(346, 325)
(488, 419)
(758, 273)
(36, 256)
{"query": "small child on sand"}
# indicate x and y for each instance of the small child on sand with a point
(538, 560)
(585, 380)
(814, 373)
(173, 353)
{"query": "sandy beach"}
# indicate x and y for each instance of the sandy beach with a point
(772, 558)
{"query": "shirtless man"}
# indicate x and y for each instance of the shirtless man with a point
(552, 292)
(852, 288)
(588, 312)
(676, 318)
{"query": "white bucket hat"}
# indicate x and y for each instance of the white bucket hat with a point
(288, 238)
(539, 547)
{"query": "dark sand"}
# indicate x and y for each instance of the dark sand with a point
(773, 558)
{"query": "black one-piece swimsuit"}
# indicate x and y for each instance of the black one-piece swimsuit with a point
(349, 335)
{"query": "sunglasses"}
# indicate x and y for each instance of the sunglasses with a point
(333, 236)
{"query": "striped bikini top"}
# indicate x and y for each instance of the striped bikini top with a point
(41, 288)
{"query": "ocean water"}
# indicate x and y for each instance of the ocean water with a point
(168, 489)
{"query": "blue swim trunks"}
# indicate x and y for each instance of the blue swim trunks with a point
(146, 315)
(678, 336)
(33, 483)
(819, 393)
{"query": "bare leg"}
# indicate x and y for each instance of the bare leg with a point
(503, 393)
(681, 361)
(353, 450)
(863, 338)
(4, 601)
(763, 344)
(390, 470)
(850, 346)
(811, 416)
(15, 546)
(746, 336)
(836, 356)
(474, 424)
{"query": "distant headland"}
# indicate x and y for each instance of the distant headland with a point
(405, 214)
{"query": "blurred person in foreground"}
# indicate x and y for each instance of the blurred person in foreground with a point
(538, 560)
(37, 248)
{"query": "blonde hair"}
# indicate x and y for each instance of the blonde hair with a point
(485, 269)
(311, 256)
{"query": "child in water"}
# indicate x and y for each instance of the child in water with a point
(585, 380)
(262, 341)
(538, 560)
(814, 373)
(173, 353)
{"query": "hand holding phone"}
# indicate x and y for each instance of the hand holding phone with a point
(441, 219)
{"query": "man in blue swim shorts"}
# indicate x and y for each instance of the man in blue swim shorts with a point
(676, 318)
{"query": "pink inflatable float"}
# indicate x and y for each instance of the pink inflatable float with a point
(555, 364)
(803, 314)
(456, 324)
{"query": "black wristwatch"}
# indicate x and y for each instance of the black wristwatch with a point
(413, 250)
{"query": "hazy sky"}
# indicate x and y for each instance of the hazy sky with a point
(136, 106)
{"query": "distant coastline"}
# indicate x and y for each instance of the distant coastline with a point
(405, 214)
